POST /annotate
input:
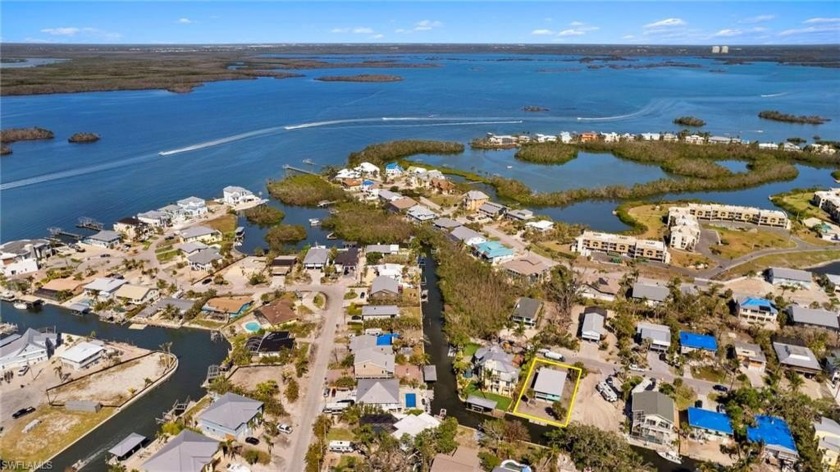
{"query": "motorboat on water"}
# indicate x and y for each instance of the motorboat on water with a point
(19, 304)
(671, 456)
(314, 222)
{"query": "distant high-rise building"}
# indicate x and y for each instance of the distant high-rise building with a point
(715, 49)
(724, 49)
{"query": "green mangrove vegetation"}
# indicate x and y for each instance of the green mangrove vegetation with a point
(383, 153)
(83, 138)
(692, 121)
(12, 135)
(366, 224)
(264, 215)
(304, 190)
(278, 236)
(775, 115)
(360, 78)
(547, 153)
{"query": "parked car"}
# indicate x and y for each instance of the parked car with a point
(721, 409)
(285, 428)
(252, 440)
(23, 412)
(698, 404)
(721, 388)
(636, 368)
(23, 370)
(104, 255)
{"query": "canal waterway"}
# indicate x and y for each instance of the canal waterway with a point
(195, 353)
(445, 388)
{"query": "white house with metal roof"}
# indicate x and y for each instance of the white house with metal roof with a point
(31, 347)
(233, 195)
(789, 277)
(317, 257)
(231, 416)
(136, 294)
(82, 355)
(658, 335)
(592, 328)
(105, 239)
(192, 207)
(200, 234)
(104, 287)
(186, 452)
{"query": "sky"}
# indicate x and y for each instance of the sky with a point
(398, 21)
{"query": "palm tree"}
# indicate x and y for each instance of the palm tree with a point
(59, 370)
(795, 380)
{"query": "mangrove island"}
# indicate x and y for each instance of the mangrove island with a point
(689, 121)
(775, 115)
(83, 138)
(360, 78)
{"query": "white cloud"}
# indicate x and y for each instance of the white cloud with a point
(377, 36)
(821, 20)
(571, 32)
(73, 32)
(64, 31)
(726, 33)
(340, 30)
(576, 23)
(185, 21)
(757, 19)
(426, 25)
(579, 29)
(628, 36)
(827, 28)
(400, 30)
(542, 32)
(667, 22)
(362, 30)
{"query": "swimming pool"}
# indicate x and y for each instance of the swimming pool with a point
(252, 326)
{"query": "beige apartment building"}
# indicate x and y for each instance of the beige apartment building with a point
(591, 241)
(741, 214)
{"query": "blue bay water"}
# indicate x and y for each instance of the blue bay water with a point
(243, 132)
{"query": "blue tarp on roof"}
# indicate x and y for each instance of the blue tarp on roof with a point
(708, 419)
(760, 303)
(411, 400)
(385, 339)
(698, 341)
(771, 431)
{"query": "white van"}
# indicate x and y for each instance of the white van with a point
(341, 446)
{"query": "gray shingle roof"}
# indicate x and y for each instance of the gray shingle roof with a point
(790, 274)
(205, 256)
(384, 284)
(105, 236)
(317, 256)
(380, 310)
(527, 308)
(378, 391)
(654, 403)
(811, 316)
(231, 411)
(654, 332)
(550, 381)
(593, 323)
(656, 293)
(446, 223)
(376, 357)
(462, 233)
(796, 356)
(197, 232)
(186, 452)
(14, 344)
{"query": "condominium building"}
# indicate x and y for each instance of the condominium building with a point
(828, 200)
(756, 216)
(591, 241)
(684, 229)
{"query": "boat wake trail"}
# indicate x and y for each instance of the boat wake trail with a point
(76, 172)
(654, 106)
(770, 95)
(217, 142)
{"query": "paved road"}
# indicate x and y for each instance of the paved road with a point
(311, 396)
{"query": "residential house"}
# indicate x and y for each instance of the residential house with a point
(393, 169)
(565, 137)
(776, 437)
(827, 435)
(387, 196)
(695, 139)
(270, 344)
(384, 287)
(103, 288)
(653, 418)
(520, 215)
(442, 186)
(651, 136)
(232, 307)
(192, 207)
(318, 257)
(373, 364)
(382, 393)
(466, 236)
(651, 293)
(690, 342)
(155, 218)
(710, 423)
(592, 327)
(611, 137)
(445, 224)
(231, 416)
(549, 384)
(31, 347)
(186, 452)
(190, 249)
(496, 370)
(492, 210)
(525, 312)
(393, 271)
(369, 341)
(750, 355)
(600, 287)
(104, 239)
(384, 249)
(789, 277)
(670, 138)
(351, 184)
(200, 234)
(474, 199)
(834, 280)
(588, 137)
(131, 228)
(658, 335)
(283, 265)
(401, 204)
(529, 268)
(366, 168)
(494, 252)
(173, 213)
(421, 213)
(204, 259)
(136, 294)
(380, 312)
(756, 310)
(233, 195)
(541, 226)
(23, 256)
(82, 355)
(790, 147)
(347, 261)
(278, 312)
(817, 317)
(797, 358)
(412, 425)
(464, 459)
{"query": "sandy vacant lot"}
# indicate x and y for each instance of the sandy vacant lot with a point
(54, 429)
(591, 408)
(113, 386)
(756, 286)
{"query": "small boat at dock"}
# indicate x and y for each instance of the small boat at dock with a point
(671, 456)
(332, 236)
(314, 222)
(19, 304)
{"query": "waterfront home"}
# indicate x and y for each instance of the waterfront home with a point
(565, 137)
(651, 294)
(231, 416)
(797, 358)
(611, 137)
(369, 341)
(526, 311)
(347, 260)
(173, 212)
(421, 213)
(155, 218)
(755, 309)
(466, 236)
(31, 347)
(783, 276)
(816, 317)
(600, 287)
(492, 210)
(136, 294)
(192, 207)
(769, 146)
(520, 215)
(741, 214)
(593, 241)
(750, 355)
(372, 363)
(541, 226)
(412, 425)
(347, 174)
(651, 136)
(23, 256)
(278, 312)
(474, 199)
(186, 452)
(695, 139)
(690, 342)
(105, 239)
(442, 186)
(384, 249)
(382, 393)
(545, 138)
(178, 305)
(318, 257)
(827, 435)
(368, 169)
(192, 248)
(774, 434)
(653, 418)
(103, 288)
(233, 195)
(380, 312)
(387, 196)
(496, 370)
(227, 307)
(592, 327)
(393, 271)
(659, 336)
(790, 147)
(828, 200)
(529, 268)
(588, 137)
(204, 259)
(445, 224)
(549, 384)
(464, 459)
(200, 233)
(59, 289)
(494, 252)
(401, 204)
(384, 288)
(393, 169)
(131, 228)
(720, 140)
(270, 344)
(283, 265)
(710, 424)
(351, 184)
(821, 149)
(670, 138)
(82, 355)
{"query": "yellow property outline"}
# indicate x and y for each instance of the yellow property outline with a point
(525, 387)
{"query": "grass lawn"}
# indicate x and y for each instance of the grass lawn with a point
(340, 434)
(207, 323)
(650, 216)
(684, 397)
(708, 373)
(801, 206)
(736, 242)
(166, 256)
(502, 403)
(688, 259)
(469, 349)
(411, 312)
(796, 260)
(446, 201)
(225, 223)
